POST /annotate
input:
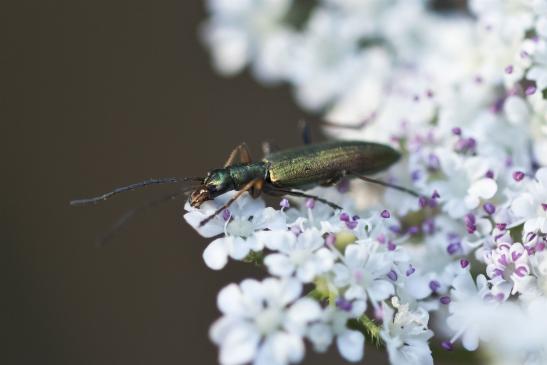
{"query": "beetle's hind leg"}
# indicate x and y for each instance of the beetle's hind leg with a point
(272, 190)
(386, 184)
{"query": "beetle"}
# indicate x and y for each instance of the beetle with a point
(285, 172)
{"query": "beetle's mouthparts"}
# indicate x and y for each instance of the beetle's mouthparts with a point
(198, 197)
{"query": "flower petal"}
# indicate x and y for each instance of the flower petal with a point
(216, 254)
(351, 345)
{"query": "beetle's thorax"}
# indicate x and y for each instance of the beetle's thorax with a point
(244, 173)
(220, 181)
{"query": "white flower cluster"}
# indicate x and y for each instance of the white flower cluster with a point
(351, 262)
(463, 96)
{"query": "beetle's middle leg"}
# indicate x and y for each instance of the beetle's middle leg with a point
(272, 190)
(241, 151)
(386, 184)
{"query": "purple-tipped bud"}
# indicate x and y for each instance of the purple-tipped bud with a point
(444, 300)
(413, 230)
(530, 90)
(464, 263)
(428, 226)
(457, 131)
(501, 226)
(343, 186)
(296, 230)
(544, 207)
(435, 194)
(489, 208)
(469, 219)
(226, 214)
(489, 174)
(344, 217)
(392, 275)
(284, 203)
(351, 224)
(518, 175)
(434, 285)
(410, 270)
(447, 345)
(330, 240)
(422, 201)
(385, 214)
(433, 162)
(391, 246)
(453, 248)
(509, 69)
(310, 203)
(343, 304)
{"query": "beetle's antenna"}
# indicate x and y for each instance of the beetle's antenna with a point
(386, 184)
(127, 216)
(167, 180)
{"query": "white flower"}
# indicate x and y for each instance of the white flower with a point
(305, 254)
(240, 32)
(240, 223)
(262, 322)
(406, 334)
(333, 324)
(516, 110)
(466, 296)
(508, 269)
(363, 273)
(532, 204)
(465, 182)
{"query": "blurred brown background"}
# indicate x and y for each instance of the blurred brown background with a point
(98, 94)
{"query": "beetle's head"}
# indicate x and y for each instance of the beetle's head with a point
(216, 183)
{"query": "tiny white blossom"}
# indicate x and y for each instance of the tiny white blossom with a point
(531, 205)
(406, 334)
(304, 254)
(363, 274)
(508, 269)
(333, 325)
(239, 224)
(465, 295)
(263, 322)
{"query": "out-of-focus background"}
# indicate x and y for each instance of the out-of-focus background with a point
(98, 94)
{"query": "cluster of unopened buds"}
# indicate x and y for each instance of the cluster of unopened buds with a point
(464, 99)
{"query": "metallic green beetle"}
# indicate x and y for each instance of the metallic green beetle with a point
(280, 173)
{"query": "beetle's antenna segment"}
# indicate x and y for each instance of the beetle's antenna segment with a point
(127, 216)
(386, 184)
(167, 180)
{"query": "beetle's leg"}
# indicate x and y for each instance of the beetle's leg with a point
(386, 184)
(247, 187)
(268, 189)
(305, 131)
(241, 151)
(268, 147)
(257, 188)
